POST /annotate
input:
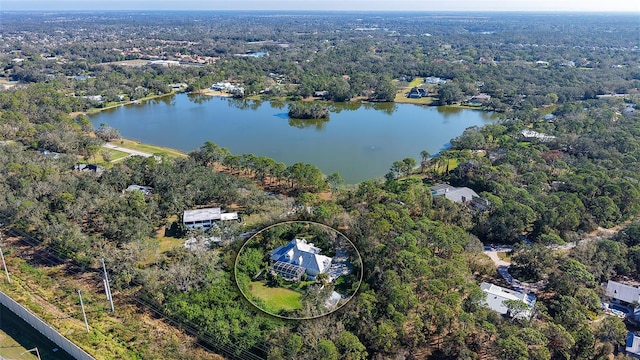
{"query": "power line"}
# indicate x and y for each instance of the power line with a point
(54, 257)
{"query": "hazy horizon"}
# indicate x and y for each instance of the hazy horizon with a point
(328, 5)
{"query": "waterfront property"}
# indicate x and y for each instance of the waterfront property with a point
(455, 194)
(206, 218)
(497, 299)
(298, 257)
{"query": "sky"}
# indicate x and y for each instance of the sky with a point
(339, 5)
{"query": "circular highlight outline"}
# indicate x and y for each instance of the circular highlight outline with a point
(235, 270)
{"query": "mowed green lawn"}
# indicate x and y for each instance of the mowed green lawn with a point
(276, 299)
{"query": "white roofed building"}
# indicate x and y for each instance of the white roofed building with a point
(497, 297)
(205, 218)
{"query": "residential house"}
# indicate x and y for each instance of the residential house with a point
(434, 80)
(165, 63)
(625, 296)
(480, 99)
(206, 218)
(145, 190)
(496, 296)
(89, 168)
(530, 135)
(456, 194)
(220, 86)
(633, 344)
(300, 254)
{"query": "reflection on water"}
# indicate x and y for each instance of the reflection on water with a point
(199, 98)
(448, 111)
(318, 124)
(244, 104)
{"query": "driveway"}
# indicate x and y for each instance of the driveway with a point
(340, 265)
(129, 151)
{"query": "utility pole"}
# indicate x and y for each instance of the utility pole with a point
(6, 272)
(84, 314)
(107, 288)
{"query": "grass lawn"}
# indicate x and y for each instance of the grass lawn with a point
(402, 99)
(453, 163)
(416, 81)
(99, 159)
(505, 256)
(276, 299)
(11, 349)
(151, 149)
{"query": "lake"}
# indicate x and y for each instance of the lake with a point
(360, 140)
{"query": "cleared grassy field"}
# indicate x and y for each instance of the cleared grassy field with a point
(401, 98)
(416, 81)
(276, 299)
(151, 149)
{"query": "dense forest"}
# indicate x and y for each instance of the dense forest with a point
(422, 255)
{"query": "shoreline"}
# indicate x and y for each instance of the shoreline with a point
(92, 111)
(138, 145)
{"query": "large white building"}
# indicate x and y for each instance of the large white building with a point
(206, 218)
(304, 255)
(455, 194)
(496, 296)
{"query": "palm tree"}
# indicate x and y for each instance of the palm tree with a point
(425, 159)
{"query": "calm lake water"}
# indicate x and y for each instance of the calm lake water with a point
(360, 141)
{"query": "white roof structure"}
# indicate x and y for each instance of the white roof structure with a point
(497, 295)
(333, 300)
(531, 135)
(626, 293)
(202, 214)
(146, 190)
(455, 194)
(633, 344)
(229, 216)
(299, 252)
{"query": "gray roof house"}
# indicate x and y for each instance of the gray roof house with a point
(302, 254)
(457, 195)
(497, 295)
(626, 295)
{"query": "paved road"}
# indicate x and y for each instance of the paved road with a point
(130, 151)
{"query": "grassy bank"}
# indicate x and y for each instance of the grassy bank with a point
(147, 148)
